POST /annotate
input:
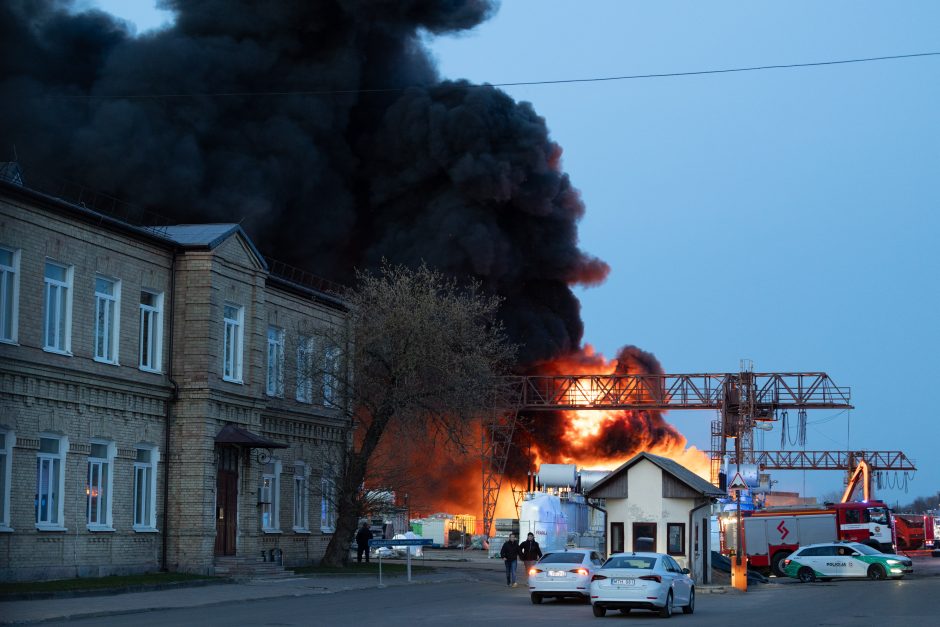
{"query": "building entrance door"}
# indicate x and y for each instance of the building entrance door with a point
(226, 501)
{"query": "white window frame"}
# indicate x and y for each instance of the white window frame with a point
(6, 475)
(151, 333)
(10, 296)
(51, 516)
(57, 304)
(304, 364)
(100, 509)
(331, 363)
(274, 379)
(327, 503)
(233, 342)
(301, 499)
(269, 497)
(145, 474)
(107, 320)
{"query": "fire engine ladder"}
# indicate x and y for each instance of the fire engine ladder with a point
(742, 399)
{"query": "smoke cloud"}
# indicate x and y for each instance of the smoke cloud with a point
(323, 127)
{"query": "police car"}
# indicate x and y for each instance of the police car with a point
(844, 559)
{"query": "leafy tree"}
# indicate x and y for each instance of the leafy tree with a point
(419, 358)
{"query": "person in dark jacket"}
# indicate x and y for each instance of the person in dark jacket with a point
(529, 552)
(362, 542)
(510, 555)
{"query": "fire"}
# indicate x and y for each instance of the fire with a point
(591, 439)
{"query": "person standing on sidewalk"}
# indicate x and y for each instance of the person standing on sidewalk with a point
(362, 542)
(530, 552)
(510, 555)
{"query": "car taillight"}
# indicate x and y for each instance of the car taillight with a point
(655, 578)
(578, 571)
(598, 577)
(534, 571)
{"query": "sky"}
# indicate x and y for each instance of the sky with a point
(784, 216)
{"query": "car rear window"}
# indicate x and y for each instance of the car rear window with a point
(562, 558)
(629, 561)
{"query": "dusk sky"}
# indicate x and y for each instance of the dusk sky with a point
(785, 216)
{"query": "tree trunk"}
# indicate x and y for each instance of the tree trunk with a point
(349, 505)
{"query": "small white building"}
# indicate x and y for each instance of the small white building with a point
(655, 504)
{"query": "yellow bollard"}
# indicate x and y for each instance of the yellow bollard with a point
(738, 571)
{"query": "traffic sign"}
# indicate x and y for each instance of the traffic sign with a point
(403, 542)
(738, 483)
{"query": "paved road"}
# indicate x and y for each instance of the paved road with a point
(909, 602)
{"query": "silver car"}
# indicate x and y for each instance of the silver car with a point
(565, 573)
(645, 581)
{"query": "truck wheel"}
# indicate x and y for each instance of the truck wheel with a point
(876, 572)
(776, 564)
(806, 575)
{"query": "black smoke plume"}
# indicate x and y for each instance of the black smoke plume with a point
(322, 126)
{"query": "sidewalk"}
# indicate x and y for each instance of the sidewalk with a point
(61, 609)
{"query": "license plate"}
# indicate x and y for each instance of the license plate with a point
(556, 573)
(623, 582)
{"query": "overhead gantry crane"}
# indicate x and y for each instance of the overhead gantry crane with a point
(745, 400)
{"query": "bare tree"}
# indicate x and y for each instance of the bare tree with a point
(418, 360)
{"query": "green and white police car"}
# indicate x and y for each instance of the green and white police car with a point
(844, 559)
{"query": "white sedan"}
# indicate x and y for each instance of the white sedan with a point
(646, 581)
(564, 573)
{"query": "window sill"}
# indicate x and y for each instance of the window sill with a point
(150, 370)
(273, 532)
(327, 529)
(5, 529)
(235, 381)
(100, 528)
(105, 361)
(50, 528)
(303, 531)
(146, 530)
(10, 342)
(56, 351)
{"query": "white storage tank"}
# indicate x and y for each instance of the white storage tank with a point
(558, 475)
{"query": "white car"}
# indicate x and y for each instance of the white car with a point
(645, 581)
(565, 573)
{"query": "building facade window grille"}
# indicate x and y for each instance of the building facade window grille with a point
(107, 319)
(151, 331)
(50, 482)
(9, 293)
(98, 488)
(145, 488)
(274, 385)
(234, 316)
(57, 335)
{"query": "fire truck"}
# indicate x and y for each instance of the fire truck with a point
(771, 534)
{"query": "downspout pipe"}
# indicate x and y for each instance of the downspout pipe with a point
(168, 417)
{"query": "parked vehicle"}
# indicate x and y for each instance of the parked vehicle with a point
(646, 581)
(911, 531)
(845, 559)
(772, 534)
(562, 574)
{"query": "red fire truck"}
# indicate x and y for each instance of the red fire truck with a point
(770, 535)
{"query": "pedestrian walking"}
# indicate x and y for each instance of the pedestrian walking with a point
(530, 552)
(510, 555)
(362, 542)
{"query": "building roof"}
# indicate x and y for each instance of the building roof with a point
(675, 469)
(209, 236)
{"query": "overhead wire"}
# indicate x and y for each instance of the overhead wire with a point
(596, 79)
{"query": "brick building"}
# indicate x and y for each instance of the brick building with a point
(157, 408)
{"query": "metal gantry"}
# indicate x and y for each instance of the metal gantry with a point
(743, 399)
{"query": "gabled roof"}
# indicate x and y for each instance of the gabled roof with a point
(675, 469)
(210, 236)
